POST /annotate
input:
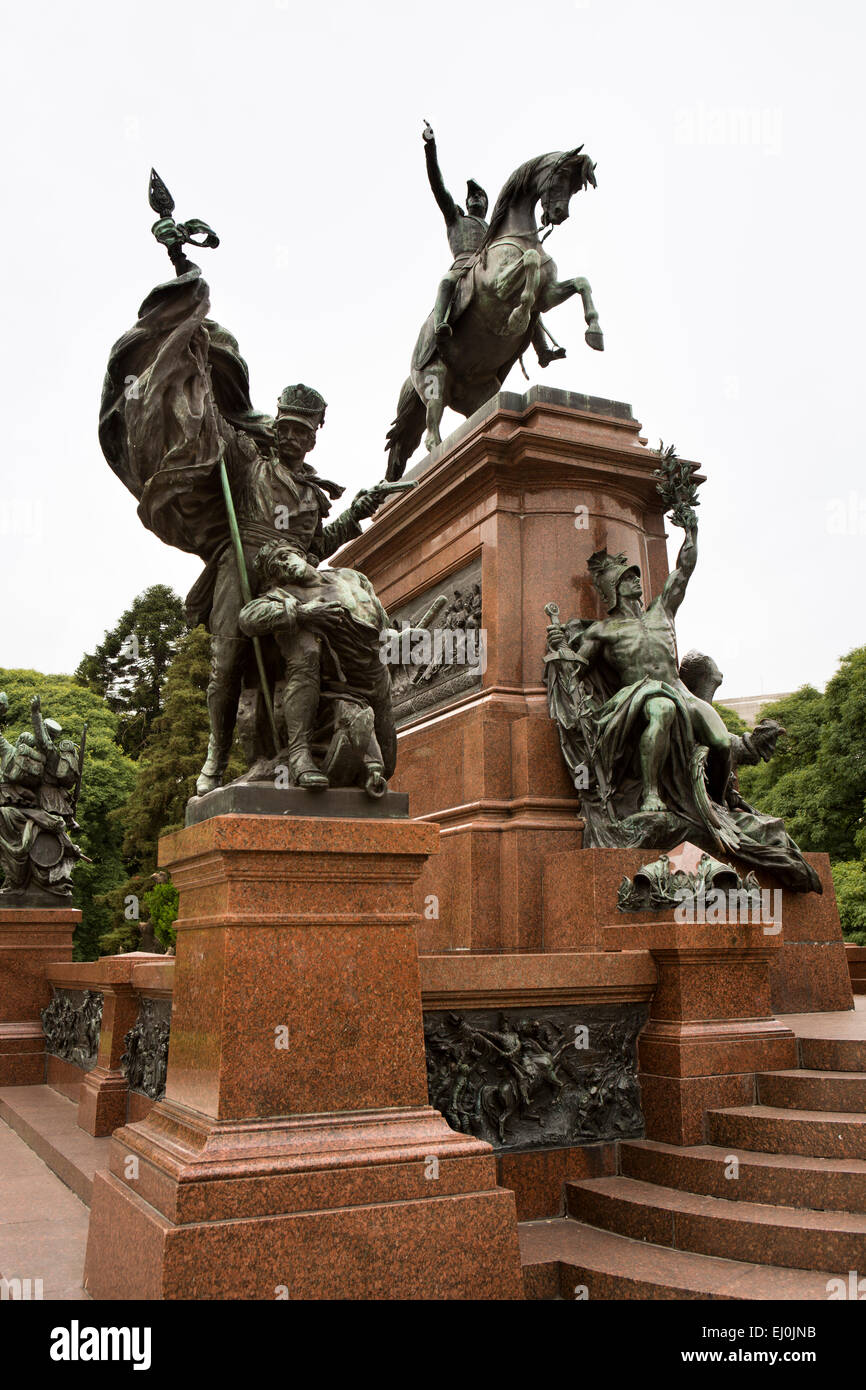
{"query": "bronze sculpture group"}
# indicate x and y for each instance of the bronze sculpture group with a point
(217, 478)
(298, 670)
(652, 760)
(40, 783)
(296, 667)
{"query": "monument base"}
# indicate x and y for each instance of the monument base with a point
(31, 937)
(295, 1154)
(711, 1026)
(379, 1206)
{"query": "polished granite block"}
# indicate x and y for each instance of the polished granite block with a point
(294, 1148)
(265, 799)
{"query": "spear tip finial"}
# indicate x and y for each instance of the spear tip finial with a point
(159, 197)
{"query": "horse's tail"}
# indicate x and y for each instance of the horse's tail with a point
(406, 430)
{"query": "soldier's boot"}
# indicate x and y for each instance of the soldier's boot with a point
(375, 783)
(223, 692)
(441, 310)
(547, 355)
(300, 703)
(215, 764)
(543, 352)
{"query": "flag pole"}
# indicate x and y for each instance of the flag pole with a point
(162, 203)
(246, 594)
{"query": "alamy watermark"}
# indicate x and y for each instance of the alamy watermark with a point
(21, 1290)
(738, 905)
(22, 516)
(846, 516)
(758, 126)
(441, 646)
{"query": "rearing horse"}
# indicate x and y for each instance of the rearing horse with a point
(508, 285)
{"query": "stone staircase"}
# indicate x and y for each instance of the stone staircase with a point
(772, 1206)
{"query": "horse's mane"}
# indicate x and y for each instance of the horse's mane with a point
(516, 186)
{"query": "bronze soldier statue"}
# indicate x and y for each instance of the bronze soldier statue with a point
(466, 232)
(639, 644)
(648, 753)
(40, 777)
(336, 690)
(219, 479)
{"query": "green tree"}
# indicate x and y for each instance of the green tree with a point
(817, 778)
(164, 781)
(133, 903)
(161, 904)
(788, 785)
(733, 721)
(849, 880)
(172, 756)
(122, 905)
(109, 777)
(129, 667)
(842, 757)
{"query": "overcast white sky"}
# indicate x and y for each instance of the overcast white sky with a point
(724, 246)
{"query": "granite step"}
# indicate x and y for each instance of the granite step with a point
(833, 1054)
(563, 1256)
(791, 1180)
(814, 1090)
(48, 1123)
(789, 1237)
(776, 1129)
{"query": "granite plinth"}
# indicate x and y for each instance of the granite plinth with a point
(264, 799)
(522, 494)
(711, 1026)
(295, 1149)
(36, 898)
(30, 938)
(808, 973)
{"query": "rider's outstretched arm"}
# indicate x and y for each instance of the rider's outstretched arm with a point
(446, 203)
(38, 723)
(674, 590)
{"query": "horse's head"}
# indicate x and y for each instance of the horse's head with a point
(568, 174)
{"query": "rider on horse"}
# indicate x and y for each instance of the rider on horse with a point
(466, 232)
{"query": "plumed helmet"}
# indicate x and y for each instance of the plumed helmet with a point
(607, 571)
(302, 403)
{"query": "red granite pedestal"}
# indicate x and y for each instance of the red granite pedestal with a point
(711, 1026)
(515, 501)
(295, 1154)
(30, 939)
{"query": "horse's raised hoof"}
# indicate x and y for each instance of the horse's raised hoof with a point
(595, 338)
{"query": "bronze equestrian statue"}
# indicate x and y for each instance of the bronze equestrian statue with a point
(491, 303)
